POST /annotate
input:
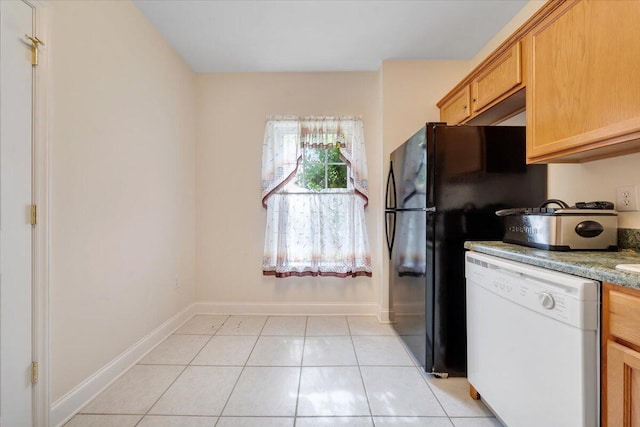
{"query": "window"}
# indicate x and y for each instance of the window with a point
(315, 190)
(321, 169)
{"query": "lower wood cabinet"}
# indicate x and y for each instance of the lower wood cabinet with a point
(620, 357)
(623, 386)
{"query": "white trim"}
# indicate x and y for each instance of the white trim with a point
(40, 295)
(38, 4)
(68, 405)
(385, 316)
(302, 309)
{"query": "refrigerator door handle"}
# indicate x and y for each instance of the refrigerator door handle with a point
(391, 185)
(390, 241)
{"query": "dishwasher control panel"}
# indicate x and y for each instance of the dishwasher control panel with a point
(566, 298)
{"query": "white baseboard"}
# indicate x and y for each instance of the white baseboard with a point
(385, 315)
(288, 309)
(69, 404)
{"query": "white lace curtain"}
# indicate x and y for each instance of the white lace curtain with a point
(314, 232)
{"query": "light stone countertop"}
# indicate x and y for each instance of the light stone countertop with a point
(597, 265)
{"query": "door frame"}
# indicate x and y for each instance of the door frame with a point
(40, 195)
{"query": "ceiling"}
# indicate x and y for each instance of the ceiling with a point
(324, 35)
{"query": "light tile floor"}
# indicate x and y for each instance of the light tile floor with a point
(277, 371)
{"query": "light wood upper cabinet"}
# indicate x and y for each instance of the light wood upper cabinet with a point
(576, 63)
(457, 108)
(583, 88)
(494, 87)
(497, 79)
(620, 357)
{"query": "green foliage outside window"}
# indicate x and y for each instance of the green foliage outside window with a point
(322, 168)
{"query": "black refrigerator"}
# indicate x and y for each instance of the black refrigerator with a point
(443, 188)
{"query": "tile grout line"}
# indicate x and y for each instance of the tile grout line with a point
(366, 395)
(419, 368)
(285, 366)
(304, 343)
(165, 390)
(215, 333)
(181, 372)
(236, 382)
(128, 370)
(423, 374)
(162, 394)
(396, 366)
(241, 371)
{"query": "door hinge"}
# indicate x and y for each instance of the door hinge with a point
(34, 372)
(34, 215)
(35, 42)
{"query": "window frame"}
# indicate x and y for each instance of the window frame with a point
(305, 161)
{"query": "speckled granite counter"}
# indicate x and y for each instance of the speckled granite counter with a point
(597, 265)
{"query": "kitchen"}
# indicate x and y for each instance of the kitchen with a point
(83, 176)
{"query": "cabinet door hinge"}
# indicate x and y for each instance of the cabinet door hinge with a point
(34, 372)
(34, 215)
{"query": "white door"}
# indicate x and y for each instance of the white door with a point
(16, 88)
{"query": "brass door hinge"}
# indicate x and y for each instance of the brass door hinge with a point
(34, 372)
(35, 41)
(34, 215)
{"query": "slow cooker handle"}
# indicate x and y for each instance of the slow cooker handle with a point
(556, 201)
(512, 211)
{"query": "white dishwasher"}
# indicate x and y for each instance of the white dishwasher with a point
(532, 343)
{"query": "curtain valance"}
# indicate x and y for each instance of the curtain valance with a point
(285, 138)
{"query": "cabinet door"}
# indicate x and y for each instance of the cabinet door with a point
(624, 316)
(583, 90)
(499, 78)
(457, 109)
(623, 386)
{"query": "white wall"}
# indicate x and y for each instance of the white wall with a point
(410, 92)
(232, 109)
(597, 180)
(122, 185)
(520, 18)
